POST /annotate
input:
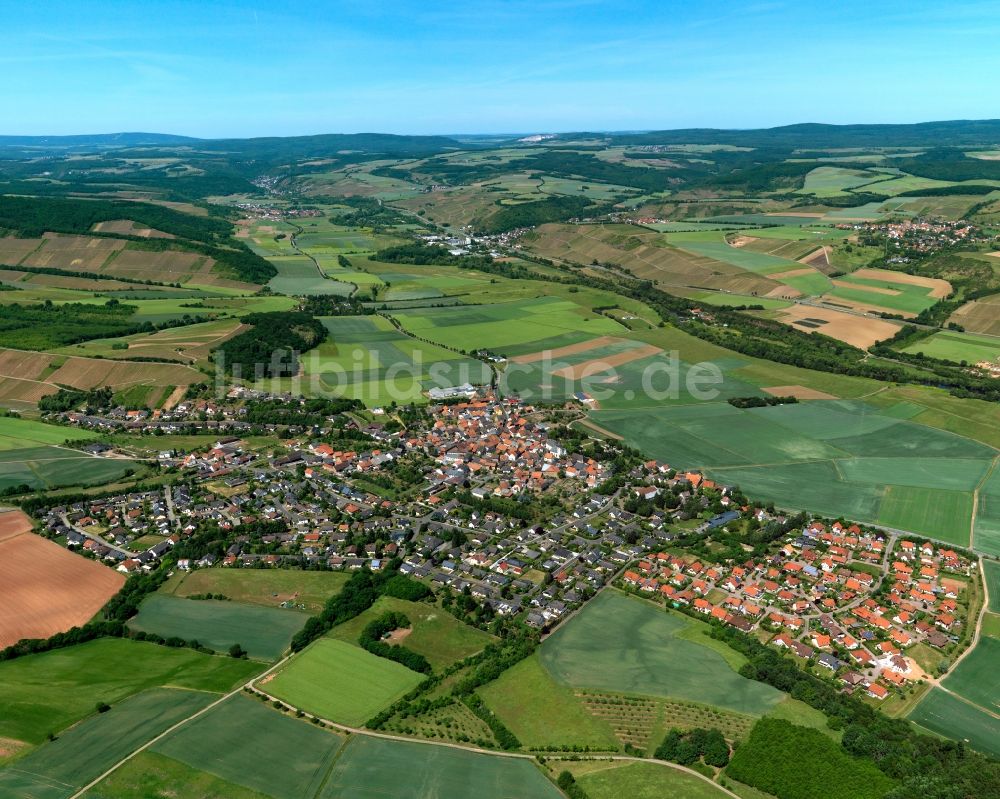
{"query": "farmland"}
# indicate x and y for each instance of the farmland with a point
(370, 768)
(980, 316)
(992, 569)
(57, 769)
(244, 742)
(26, 377)
(947, 715)
(640, 721)
(489, 326)
(108, 257)
(298, 275)
(986, 533)
(833, 457)
(543, 712)
(365, 683)
(776, 232)
(621, 644)
(218, 624)
(831, 181)
(188, 344)
(882, 290)
(47, 692)
(647, 255)
(305, 590)
(367, 358)
(24, 434)
(958, 347)
(47, 589)
(435, 633)
(795, 278)
(972, 678)
(639, 780)
(858, 331)
(154, 775)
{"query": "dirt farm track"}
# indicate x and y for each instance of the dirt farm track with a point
(45, 589)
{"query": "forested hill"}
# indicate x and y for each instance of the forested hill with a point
(270, 147)
(331, 143)
(813, 135)
(96, 141)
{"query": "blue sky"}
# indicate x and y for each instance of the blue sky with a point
(282, 68)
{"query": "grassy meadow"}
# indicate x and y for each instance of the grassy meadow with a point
(434, 633)
(341, 682)
(306, 590)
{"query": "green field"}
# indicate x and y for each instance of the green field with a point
(497, 327)
(366, 358)
(906, 299)
(298, 275)
(56, 770)
(992, 569)
(263, 632)
(341, 682)
(831, 181)
(23, 433)
(713, 245)
(944, 514)
(243, 741)
(949, 716)
(641, 781)
(45, 467)
(958, 347)
(436, 634)
(372, 768)
(720, 298)
(151, 775)
(975, 677)
(543, 712)
(987, 527)
(267, 587)
(47, 692)
(827, 456)
(617, 643)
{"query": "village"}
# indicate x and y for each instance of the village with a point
(477, 499)
(917, 235)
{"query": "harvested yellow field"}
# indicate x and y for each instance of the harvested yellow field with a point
(858, 331)
(167, 267)
(571, 349)
(593, 367)
(799, 392)
(13, 250)
(980, 316)
(26, 376)
(130, 228)
(77, 253)
(938, 289)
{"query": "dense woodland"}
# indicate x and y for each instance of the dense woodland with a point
(272, 346)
